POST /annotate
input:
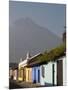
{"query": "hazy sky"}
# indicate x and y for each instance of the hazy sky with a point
(51, 16)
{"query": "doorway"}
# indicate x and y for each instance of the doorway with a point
(38, 76)
(59, 73)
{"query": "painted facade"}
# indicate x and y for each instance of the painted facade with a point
(28, 74)
(46, 74)
(53, 73)
(20, 74)
(25, 73)
(36, 74)
(22, 68)
(15, 74)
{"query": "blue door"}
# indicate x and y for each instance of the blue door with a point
(38, 76)
(34, 75)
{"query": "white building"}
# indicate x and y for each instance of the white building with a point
(54, 73)
(24, 62)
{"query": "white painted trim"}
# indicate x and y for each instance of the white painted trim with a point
(35, 56)
(64, 71)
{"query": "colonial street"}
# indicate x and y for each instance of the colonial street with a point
(16, 84)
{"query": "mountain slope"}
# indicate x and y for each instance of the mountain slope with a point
(26, 35)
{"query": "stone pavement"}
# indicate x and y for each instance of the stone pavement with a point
(13, 85)
(28, 84)
(19, 84)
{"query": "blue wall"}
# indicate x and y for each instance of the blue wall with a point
(36, 74)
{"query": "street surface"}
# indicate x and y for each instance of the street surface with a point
(15, 84)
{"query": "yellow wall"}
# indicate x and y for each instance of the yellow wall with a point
(20, 74)
(28, 74)
(25, 75)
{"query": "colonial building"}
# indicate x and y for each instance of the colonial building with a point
(25, 72)
(13, 71)
(54, 72)
(22, 68)
(49, 69)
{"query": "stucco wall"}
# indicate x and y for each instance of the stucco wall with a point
(47, 79)
(28, 74)
(15, 74)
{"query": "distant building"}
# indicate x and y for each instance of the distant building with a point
(13, 71)
(10, 73)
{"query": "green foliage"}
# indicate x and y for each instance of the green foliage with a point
(52, 54)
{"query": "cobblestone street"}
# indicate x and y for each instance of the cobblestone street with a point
(16, 84)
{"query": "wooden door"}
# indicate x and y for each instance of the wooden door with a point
(59, 73)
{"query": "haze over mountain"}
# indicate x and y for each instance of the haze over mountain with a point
(25, 35)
